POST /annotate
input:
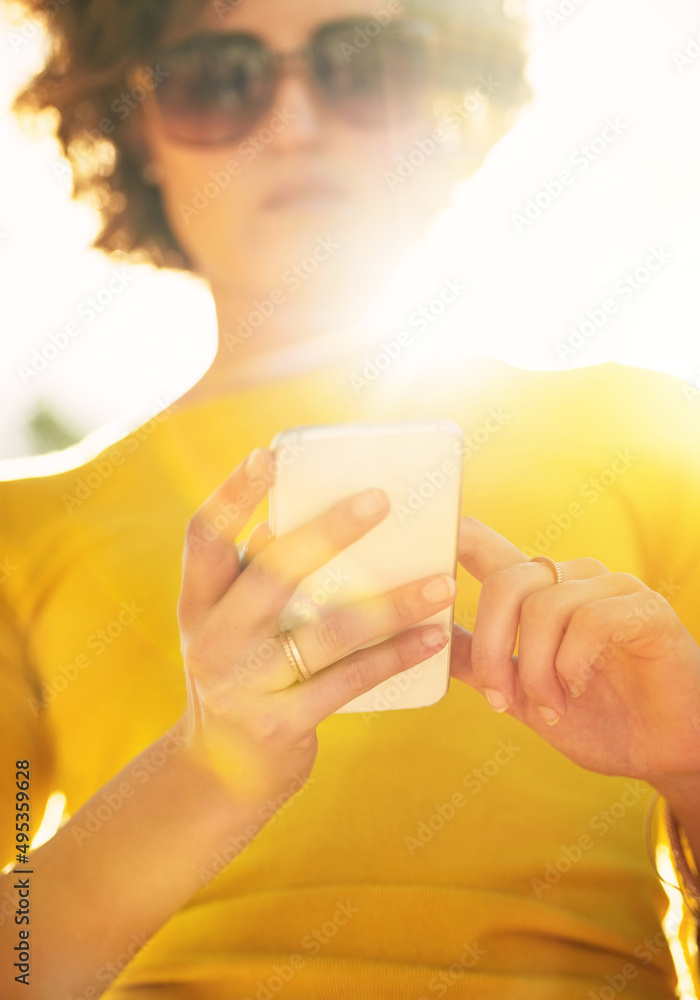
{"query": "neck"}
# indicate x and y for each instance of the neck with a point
(260, 342)
(266, 336)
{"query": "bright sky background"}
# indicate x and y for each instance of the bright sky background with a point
(607, 59)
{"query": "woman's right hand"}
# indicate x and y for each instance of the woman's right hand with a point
(247, 718)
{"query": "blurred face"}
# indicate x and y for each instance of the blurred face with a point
(304, 178)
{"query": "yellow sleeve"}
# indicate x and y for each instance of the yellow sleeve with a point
(23, 735)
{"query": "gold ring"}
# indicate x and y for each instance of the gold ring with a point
(294, 656)
(554, 566)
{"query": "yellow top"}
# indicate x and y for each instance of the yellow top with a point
(435, 847)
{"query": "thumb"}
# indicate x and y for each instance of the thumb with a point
(210, 559)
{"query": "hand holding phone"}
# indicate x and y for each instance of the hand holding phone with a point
(248, 721)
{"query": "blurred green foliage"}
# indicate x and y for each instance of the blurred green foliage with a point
(48, 430)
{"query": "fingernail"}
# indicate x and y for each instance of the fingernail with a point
(497, 700)
(549, 715)
(440, 589)
(256, 464)
(573, 691)
(434, 637)
(368, 504)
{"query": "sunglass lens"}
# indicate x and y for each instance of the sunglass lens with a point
(372, 80)
(216, 88)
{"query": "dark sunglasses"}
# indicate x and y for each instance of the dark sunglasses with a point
(217, 86)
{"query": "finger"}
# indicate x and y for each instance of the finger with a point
(330, 689)
(345, 629)
(503, 596)
(259, 538)
(545, 617)
(271, 578)
(639, 621)
(342, 631)
(461, 669)
(482, 551)
(460, 657)
(210, 562)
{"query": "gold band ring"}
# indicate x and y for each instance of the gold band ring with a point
(300, 669)
(554, 566)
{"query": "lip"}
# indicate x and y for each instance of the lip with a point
(304, 192)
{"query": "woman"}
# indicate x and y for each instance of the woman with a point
(229, 835)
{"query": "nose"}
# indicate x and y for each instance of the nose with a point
(300, 118)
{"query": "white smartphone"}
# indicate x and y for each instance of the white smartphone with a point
(419, 466)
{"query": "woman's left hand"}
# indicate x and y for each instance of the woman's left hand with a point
(605, 672)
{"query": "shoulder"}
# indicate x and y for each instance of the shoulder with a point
(41, 494)
(553, 430)
(627, 392)
(656, 413)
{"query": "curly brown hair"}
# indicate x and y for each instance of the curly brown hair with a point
(94, 46)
